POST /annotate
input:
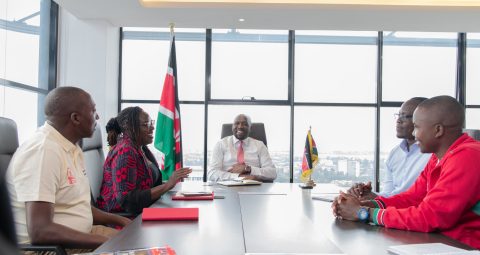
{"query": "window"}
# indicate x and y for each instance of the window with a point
(248, 63)
(345, 146)
(145, 55)
(473, 65)
(27, 71)
(418, 64)
(388, 137)
(327, 65)
(473, 118)
(335, 89)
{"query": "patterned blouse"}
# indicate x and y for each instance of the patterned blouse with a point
(128, 175)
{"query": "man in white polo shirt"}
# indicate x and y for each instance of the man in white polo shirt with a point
(48, 185)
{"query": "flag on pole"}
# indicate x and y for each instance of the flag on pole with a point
(310, 156)
(168, 136)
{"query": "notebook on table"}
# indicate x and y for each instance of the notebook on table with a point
(192, 195)
(239, 182)
(170, 214)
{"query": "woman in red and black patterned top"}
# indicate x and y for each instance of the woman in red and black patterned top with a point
(131, 176)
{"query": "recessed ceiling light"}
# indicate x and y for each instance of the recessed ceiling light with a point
(439, 3)
(241, 20)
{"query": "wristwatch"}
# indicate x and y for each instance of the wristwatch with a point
(248, 169)
(363, 214)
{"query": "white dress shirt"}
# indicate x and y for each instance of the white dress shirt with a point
(403, 167)
(255, 154)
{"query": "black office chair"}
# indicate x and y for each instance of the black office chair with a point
(94, 158)
(257, 131)
(8, 146)
(474, 133)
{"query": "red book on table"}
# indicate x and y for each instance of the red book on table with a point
(170, 214)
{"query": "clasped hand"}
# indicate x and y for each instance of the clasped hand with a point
(345, 206)
(238, 168)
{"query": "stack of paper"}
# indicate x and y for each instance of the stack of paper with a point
(239, 182)
(193, 195)
(429, 249)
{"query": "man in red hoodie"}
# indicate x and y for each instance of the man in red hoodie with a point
(445, 197)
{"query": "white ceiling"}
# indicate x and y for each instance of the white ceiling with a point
(267, 16)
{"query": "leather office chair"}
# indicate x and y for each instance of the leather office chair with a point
(474, 133)
(257, 131)
(8, 146)
(94, 158)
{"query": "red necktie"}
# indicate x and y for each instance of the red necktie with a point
(240, 156)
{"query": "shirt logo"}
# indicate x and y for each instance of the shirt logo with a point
(70, 177)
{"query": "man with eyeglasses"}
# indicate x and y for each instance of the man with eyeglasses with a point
(404, 163)
(445, 198)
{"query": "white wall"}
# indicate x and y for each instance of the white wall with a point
(88, 55)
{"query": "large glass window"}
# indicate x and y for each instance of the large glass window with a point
(249, 63)
(335, 89)
(335, 67)
(418, 64)
(145, 60)
(473, 118)
(345, 146)
(26, 69)
(20, 41)
(388, 137)
(473, 69)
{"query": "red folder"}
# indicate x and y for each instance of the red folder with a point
(179, 196)
(170, 214)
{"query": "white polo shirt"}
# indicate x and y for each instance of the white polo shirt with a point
(49, 168)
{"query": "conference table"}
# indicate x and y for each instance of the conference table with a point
(271, 218)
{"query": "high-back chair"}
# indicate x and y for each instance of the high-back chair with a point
(257, 131)
(474, 133)
(8, 132)
(8, 146)
(94, 158)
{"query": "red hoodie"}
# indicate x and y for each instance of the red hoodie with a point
(444, 198)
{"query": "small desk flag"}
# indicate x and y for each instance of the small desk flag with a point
(310, 156)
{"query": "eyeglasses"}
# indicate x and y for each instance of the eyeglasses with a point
(402, 117)
(149, 124)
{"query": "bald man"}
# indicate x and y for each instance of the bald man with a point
(241, 156)
(446, 196)
(48, 186)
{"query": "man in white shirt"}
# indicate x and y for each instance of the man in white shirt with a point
(47, 181)
(241, 156)
(404, 163)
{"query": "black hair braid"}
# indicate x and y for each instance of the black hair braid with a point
(129, 121)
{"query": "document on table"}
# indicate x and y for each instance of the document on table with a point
(326, 197)
(239, 182)
(429, 249)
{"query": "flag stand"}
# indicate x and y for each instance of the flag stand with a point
(308, 185)
(310, 160)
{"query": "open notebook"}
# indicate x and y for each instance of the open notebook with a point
(239, 182)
